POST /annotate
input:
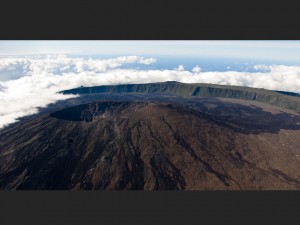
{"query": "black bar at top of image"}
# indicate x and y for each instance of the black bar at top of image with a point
(149, 20)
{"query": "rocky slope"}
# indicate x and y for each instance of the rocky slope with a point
(116, 145)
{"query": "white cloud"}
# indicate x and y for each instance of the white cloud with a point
(57, 64)
(262, 67)
(147, 61)
(196, 69)
(44, 77)
(2, 87)
(180, 68)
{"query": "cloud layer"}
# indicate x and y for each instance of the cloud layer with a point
(40, 79)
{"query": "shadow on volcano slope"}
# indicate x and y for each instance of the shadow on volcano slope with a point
(247, 117)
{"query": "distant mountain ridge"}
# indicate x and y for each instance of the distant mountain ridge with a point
(278, 98)
(289, 93)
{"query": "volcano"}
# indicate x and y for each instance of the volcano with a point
(194, 143)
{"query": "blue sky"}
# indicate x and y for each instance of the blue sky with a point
(262, 50)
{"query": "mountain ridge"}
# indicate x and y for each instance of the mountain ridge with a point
(202, 90)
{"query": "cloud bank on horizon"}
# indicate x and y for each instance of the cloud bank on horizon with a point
(40, 78)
